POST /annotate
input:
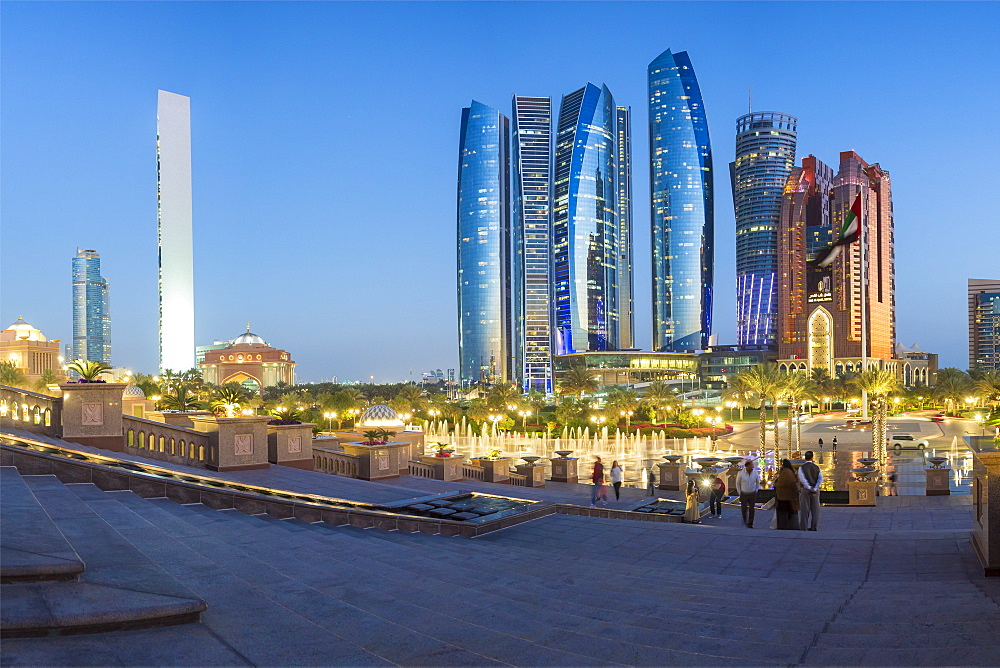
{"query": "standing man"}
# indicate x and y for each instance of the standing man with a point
(834, 443)
(597, 477)
(810, 477)
(821, 444)
(747, 484)
(718, 493)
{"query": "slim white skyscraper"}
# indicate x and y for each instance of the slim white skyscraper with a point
(173, 213)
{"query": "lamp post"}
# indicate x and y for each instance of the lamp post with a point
(628, 417)
(730, 405)
(524, 418)
(495, 419)
(981, 419)
(329, 419)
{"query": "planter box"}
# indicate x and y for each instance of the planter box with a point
(234, 444)
(92, 414)
(378, 462)
(862, 493)
(565, 470)
(672, 476)
(290, 445)
(446, 468)
(937, 482)
(494, 470)
(534, 473)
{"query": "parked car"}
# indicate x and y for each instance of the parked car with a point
(938, 418)
(909, 441)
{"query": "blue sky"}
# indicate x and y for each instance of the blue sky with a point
(325, 139)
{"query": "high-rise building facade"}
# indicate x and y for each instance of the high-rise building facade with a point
(682, 206)
(765, 155)
(623, 147)
(984, 324)
(484, 246)
(91, 309)
(585, 226)
(828, 319)
(531, 285)
(176, 256)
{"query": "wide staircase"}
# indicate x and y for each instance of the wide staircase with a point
(282, 592)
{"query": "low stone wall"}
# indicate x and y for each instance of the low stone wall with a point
(30, 411)
(169, 443)
(335, 462)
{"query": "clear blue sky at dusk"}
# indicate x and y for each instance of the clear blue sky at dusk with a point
(325, 140)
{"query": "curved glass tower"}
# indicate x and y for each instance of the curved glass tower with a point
(682, 206)
(91, 309)
(586, 250)
(483, 246)
(765, 155)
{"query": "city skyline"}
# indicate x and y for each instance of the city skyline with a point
(274, 196)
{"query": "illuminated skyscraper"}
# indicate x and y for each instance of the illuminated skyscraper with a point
(682, 206)
(623, 139)
(484, 244)
(765, 155)
(531, 286)
(585, 226)
(827, 318)
(176, 264)
(984, 324)
(91, 309)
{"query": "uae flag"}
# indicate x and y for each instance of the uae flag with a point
(849, 233)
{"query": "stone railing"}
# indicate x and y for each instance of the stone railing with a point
(421, 470)
(473, 472)
(169, 443)
(30, 411)
(518, 480)
(335, 462)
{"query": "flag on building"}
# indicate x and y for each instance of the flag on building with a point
(849, 233)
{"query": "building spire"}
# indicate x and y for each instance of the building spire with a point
(749, 99)
(248, 326)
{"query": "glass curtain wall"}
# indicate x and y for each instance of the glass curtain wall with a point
(484, 300)
(765, 155)
(585, 225)
(91, 309)
(623, 129)
(682, 206)
(532, 217)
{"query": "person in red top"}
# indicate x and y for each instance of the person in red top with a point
(597, 477)
(718, 492)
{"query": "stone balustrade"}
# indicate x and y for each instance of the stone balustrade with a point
(473, 472)
(420, 470)
(335, 462)
(169, 443)
(30, 411)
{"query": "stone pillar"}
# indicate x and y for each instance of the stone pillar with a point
(565, 470)
(378, 462)
(494, 470)
(534, 473)
(290, 445)
(446, 468)
(92, 414)
(861, 493)
(236, 443)
(937, 482)
(986, 504)
(672, 476)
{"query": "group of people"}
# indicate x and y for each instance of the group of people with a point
(796, 495)
(599, 478)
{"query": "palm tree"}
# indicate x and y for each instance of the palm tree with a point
(229, 398)
(11, 375)
(797, 388)
(764, 380)
(952, 384)
(623, 402)
(373, 436)
(88, 370)
(478, 411)
(568, 409)
(739, 392)
(410, 392)
(47, 378)
(180, 400)
(988, 386)
(502, 394)
(879, 384)
(659, 395)
(578, 380)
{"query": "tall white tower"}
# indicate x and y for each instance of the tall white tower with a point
(173, 213)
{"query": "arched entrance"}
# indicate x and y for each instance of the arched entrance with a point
(820, 340)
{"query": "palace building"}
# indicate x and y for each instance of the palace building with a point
(249, 361)
(30, 351)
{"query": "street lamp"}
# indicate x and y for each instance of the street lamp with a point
(495, 419)
(628, 418)
(982, 422)
(524, 417)
(730, 405)
(329, 418)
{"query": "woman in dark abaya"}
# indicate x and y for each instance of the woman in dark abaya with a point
(786, 495)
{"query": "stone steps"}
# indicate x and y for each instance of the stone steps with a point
(119, 589)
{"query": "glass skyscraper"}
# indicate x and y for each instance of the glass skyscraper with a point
(531, 239)
(623, 139)
(765, 155)
(91, 309)
(682, 206)
(484, 299)
(585, 227)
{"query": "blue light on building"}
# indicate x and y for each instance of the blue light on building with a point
(91, 309)
(682, 206)
(484, 300)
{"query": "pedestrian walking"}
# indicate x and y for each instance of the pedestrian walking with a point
(596, 477)
(890, 487)
(692, 511)
(810, 478)
(786, 497)
(718, 488)
(617, 476)
(834, 443)
(821, 444)
(602, 493)
(747, 485)
(651, 482)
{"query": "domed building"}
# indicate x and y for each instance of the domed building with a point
(30, 351)
(250, 361)
(380, 416)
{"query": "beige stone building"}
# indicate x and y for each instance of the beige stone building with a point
(250, 361)
(30, 351)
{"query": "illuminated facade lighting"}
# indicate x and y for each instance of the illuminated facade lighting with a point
(91, 309)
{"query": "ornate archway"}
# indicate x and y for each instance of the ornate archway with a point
(820, 328)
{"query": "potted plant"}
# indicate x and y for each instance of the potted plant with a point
(286, 416)
(495, 467)
(89, 372)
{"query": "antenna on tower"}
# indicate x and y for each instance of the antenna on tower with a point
(749, 99)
